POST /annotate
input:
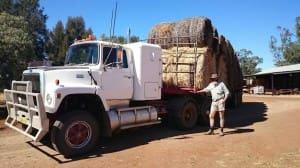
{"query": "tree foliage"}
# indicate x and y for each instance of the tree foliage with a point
(248, 62)
(57, 44)
(15, 46)
(33, 14)
(22, 37)
(75, 29)
(288, 50)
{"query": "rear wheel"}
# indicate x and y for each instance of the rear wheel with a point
(184, 112)
(75, 133)
(205, 104)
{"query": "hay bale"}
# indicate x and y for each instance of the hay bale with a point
(2, 100)
(222, 67)
(204, 66)
(194, 30)
(215, 41)
(161, 34)
(186, 31)
(215, 54)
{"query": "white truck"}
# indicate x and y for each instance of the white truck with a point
(102, 88)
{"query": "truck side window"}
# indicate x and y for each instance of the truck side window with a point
(125, 63)
(110, 56)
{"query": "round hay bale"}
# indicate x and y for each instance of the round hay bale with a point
(215, 42)
(229, 47)
(222, 45)
(197, 30)
(161, 34)
(223, 70)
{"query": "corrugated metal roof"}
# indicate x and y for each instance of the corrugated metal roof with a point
(281, 70)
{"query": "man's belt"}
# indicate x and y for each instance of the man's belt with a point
(218, 99)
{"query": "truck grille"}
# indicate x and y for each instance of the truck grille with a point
(35, 80)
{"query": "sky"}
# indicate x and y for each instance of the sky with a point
(247, 24)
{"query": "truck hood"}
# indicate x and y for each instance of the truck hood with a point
(68, 76)
(49, 68)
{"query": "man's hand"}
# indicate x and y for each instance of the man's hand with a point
(200, 91)
(224, 99)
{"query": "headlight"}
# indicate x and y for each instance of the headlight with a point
(48, 99)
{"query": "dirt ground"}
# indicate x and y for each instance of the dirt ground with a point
(263, 132)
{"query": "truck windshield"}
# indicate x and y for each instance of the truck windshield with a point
(82, 54)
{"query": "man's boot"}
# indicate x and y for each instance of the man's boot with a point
(222, 132)
(211, 131)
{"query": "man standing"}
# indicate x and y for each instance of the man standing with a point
(219, 95)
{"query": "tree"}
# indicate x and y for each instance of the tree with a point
(119, 39)
(19, 42)
(134, 39)
(33, 14)
(75, 29)
(15, 46)
(6, 6)
(288, 50)
(56, 44)
(248, 62)
(88, 32)
(60, 38)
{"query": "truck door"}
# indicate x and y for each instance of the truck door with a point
(117, 78)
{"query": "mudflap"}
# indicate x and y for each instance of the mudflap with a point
(26, 112)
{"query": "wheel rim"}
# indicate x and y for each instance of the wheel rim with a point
(78, 134)
(189, 115)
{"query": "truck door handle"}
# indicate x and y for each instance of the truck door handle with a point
(127, 76)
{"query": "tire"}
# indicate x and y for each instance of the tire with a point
(75, 133)
(184, 113)
(205, 104)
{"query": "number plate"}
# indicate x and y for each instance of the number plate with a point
(23, 120)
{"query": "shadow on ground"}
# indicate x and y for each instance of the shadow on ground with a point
(245, 115)
(3, 112)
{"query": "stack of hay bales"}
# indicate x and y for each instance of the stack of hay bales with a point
(194, 41)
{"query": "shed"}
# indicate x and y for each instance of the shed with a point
(280, 80)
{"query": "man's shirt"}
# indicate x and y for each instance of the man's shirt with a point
(218, 90)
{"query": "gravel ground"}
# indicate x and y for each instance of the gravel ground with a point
(262, 132)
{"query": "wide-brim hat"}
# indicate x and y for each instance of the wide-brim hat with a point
(213, 76)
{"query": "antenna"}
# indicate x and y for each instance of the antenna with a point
(112, 29)
(113, 22)
(128, 34)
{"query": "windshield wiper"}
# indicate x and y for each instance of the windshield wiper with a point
(84, 64)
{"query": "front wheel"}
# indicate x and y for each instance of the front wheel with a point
(75, 133)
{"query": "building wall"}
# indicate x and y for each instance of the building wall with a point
(281, 81)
